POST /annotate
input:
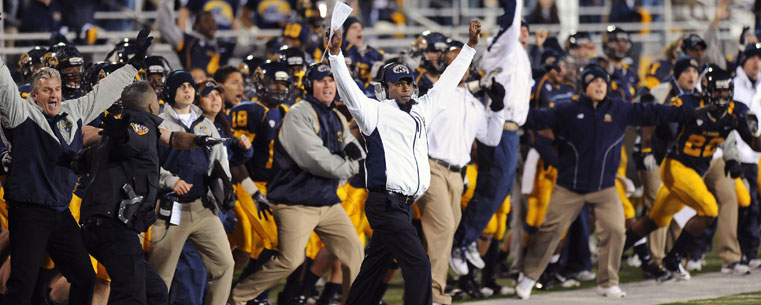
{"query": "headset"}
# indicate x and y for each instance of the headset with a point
(381, 89)
(308, 85)
(166, 96)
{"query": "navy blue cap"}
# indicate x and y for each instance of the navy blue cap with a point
(320, 71)
(211, 85)
(396, 72)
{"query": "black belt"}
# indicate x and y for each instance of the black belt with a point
(401, 197)
(446, 164)
(94, 221)
(188, 199)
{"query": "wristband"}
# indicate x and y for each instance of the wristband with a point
(249, 186)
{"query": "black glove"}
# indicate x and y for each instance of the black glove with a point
(732, 169)
(115, 128)
(207, 141)
(141, 45)
(497, 95)
(352, 151)
(263, 206)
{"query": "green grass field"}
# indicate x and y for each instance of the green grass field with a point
(748, 298)
(627, 274)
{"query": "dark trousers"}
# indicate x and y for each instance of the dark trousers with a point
(35, 230)
(133, 280)
(394, 237)
(496, 176)
(747, 220)
(575, 255)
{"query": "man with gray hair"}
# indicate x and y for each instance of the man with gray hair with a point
(38, 191)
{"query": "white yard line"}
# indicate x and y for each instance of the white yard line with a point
(709, 285)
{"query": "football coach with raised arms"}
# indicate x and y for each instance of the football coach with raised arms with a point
(397, 165)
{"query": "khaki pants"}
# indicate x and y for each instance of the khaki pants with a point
(564, 206)
(440, 214)
(295, 223)
(204, 229)
(723, 188)
(656, 240)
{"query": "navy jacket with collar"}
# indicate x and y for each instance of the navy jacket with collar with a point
(590, 139)
(36, 141)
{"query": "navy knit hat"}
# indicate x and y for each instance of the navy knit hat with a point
(684, 62)
(348, 23)
(592, 72)
(174, 81)
(751, 50)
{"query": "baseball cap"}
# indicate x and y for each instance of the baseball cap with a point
(211, 85)
(319, 71)
(396, 72)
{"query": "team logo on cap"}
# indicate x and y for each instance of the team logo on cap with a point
(401, 69)
(693, 62)
(139, 129)
(323, 68)
(589, 78)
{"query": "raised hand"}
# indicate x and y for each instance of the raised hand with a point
(142, 43)
(334, 45)
(474, 33)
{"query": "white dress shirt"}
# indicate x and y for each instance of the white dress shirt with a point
(452, 131)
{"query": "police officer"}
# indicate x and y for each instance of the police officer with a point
(397, 167)
(38, 192)
(120, 204)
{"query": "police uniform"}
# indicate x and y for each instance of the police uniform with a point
(40, 141)
(131, 160)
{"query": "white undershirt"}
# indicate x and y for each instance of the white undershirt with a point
(187, 119)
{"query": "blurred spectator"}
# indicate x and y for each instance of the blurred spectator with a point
(627, 11)
(40, 16)
(124, 24)
(224, 11)
(267, 14)
(545, 12)
(199, 48)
